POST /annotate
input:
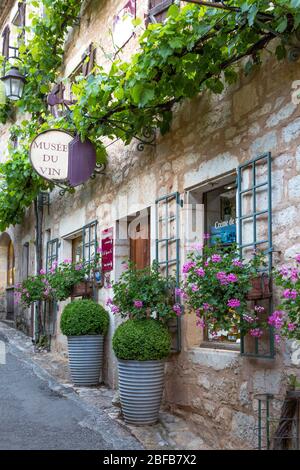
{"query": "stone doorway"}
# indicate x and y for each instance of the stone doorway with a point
(7, 277)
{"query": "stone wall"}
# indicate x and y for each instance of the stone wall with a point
(210, 136)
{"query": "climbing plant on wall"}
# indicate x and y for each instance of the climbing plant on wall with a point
(199, 47)
(41, 58)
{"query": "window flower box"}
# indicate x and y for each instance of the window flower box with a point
(260, 288)
(82, 289)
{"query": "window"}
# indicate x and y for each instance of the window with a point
(5, 42)
(52, 253)
(85, 67)
(20, 20)
(13, 35)
(158, 10)
(89, 242)
(214, 211)
(25, 261)
(167, 221)
(77, 249)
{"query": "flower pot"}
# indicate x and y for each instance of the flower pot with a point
(85, 358)
(141, 386)
(82, 289)
(260, 288)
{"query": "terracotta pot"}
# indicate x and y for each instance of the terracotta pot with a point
(260, 288)
(82, 289)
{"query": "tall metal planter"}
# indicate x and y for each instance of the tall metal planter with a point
(85, 358)
(141, 387)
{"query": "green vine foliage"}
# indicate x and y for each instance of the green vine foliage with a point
(41, 58)
(197, 48)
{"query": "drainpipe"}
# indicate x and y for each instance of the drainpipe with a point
(38, 211)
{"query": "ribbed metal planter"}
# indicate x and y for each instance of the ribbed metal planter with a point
(85, 358)
(141, 386)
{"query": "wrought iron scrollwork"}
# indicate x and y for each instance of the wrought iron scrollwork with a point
(99, 170)
(147, 138)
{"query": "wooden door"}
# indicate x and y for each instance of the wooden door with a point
(140, 244)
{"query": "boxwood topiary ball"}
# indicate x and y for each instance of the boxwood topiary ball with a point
(142, 340)
(84, 317)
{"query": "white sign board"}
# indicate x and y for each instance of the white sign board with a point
(49, 154)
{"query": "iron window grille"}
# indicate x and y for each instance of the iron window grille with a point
(254, 182)
(89, 242)
(167, 215)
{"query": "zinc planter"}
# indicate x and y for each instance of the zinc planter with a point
(141, 387)
(85, 358)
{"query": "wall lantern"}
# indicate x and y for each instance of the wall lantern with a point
(14, 84)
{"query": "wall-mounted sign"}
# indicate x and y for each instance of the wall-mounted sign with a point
(49, 154)
(122, 24)
(107, 245)
(223, 231)
(58, 156)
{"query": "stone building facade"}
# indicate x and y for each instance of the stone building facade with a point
(211, 136)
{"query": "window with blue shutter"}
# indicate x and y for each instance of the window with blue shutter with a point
(168, 249)
(254, 223)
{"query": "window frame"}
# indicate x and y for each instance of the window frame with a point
(91, 242)
(50, 259)
(159, 10)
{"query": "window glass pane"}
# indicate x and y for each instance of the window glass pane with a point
(220, 211)
(77, 249)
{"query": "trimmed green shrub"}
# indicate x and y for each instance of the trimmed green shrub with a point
(142, 340)
(84, 317)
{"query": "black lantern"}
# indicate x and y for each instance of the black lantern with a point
(14, 83)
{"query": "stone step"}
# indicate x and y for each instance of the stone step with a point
(9, 323)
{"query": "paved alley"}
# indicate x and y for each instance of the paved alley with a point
(34, 416)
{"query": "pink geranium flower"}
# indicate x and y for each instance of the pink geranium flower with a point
(200, 322)
(197, 246)
(177, 309)
(232, 277)
(188, 266)
(290, 294)
(115, 309)
(237, 263)
(233, 303)
(292, 326)
(200, 272)
(277, 338)
(138, 303)
(276, 319)
(216, 258)
(256, 332)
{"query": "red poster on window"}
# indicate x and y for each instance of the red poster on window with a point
(107, 246)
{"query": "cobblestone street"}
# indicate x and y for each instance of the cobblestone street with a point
(36, 416)
(49, 405)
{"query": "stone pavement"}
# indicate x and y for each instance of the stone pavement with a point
(171, 433)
